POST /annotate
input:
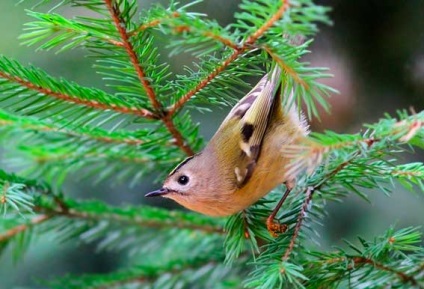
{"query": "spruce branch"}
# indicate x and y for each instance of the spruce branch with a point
(285, 52)
(17, 194)
(56, 29)
(178, 138)
(13, 195)
(285, 4)
(359, 260)
(62, 156)
(57, 149)
(384, 134)
(178, 272)
(166, 117)
(5, 236)
(183, 99)
(143, 216)
(121, 25)
(330, 181)
(34, 81)
(93, 220)
(308, 199)
(383, 260)
(53, 163)
(285, 67)
(101, 30)
(238, 50)
(198, 32)
(153, 23)
(416, 172)
(10, 121)
(355, 262)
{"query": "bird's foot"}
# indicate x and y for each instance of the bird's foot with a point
(274, 227)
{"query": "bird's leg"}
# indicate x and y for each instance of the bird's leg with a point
(275, 228)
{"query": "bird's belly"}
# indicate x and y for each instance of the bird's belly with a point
(266, 177)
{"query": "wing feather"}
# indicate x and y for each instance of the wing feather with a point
(254, 122)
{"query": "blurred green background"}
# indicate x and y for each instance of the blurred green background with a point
(375, 49)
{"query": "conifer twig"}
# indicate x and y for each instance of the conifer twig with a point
(71, 213)
(300, 218)
(72, 133)
(238, 50)
(163, 115)
(223, 40)
(142, 279)
(62, 209)
(361, 260)
(69, 98)
(152, 23)
(309, 194)
(53, 158)
(274, 18)
(120, 26)
(310, 154)
(176, 134)
(209, 34)
(182, 100)
(286, 68)
(23, 227)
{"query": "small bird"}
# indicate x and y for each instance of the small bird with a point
(243, 161)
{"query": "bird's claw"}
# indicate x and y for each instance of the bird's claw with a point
(275, 228)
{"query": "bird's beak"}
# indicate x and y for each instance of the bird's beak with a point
(157, 193)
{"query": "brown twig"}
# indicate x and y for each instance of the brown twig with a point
(182, 100)
(148, 223)
(227, 42)
(405, 277)
(246, 225)
(238, 50)
(274, 18)
(141, 279)
(165, 116)
(368, 142)
(46, 128)
(309, 194)
(300, 218)
(360, 260)
(152, 23)
(63, 209)
(86, 102)
(114, 42)
(120, 25)
(176, 134)
(107, 39)
(180, 29)
(72, 213)
(53, 158)
(286, 68)
(21, 228)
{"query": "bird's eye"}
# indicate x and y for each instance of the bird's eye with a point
(183, 180)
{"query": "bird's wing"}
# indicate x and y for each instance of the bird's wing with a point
(253, 113)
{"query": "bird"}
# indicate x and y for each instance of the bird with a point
(244, 159)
